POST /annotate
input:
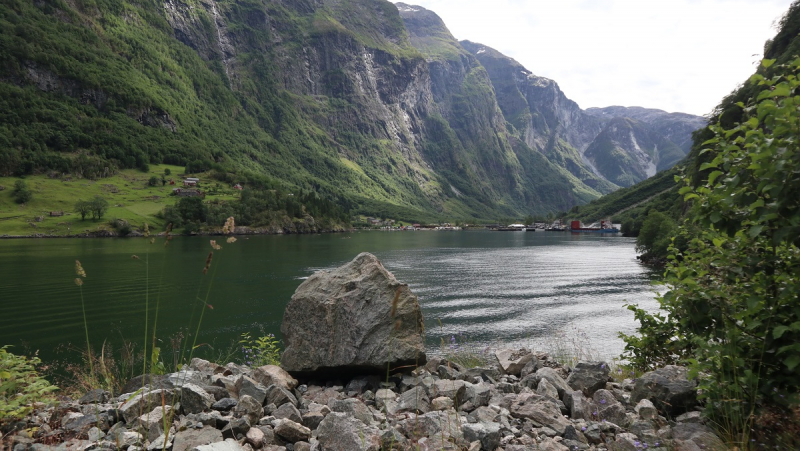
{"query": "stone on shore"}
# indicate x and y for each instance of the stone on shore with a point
(356, 318)
(669, 388)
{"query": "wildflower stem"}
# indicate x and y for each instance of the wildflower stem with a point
(86, 329)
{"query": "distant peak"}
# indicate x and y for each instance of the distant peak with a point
(406, 8)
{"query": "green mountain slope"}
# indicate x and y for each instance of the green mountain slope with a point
(335, 96)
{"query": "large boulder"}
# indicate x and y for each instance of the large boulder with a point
(669, 388)
(352, 319)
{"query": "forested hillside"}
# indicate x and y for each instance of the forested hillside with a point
(378, 108)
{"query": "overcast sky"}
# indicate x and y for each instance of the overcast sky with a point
(675, 55)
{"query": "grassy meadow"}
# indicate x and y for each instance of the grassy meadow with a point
(128, 193)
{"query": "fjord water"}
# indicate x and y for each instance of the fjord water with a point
(516, 288)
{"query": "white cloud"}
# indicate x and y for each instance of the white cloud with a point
(676, 55)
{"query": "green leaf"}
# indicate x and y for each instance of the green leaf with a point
(792, 361)
(705, 166)
(713, 176)
(765, 63)
(756, 230)
(779, 331)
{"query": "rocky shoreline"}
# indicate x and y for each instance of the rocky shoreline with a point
(354, 339)
(526, 401)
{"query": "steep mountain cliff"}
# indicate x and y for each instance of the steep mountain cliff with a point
(677, 127)
(327, 95)
(372, 104)
(590, 144)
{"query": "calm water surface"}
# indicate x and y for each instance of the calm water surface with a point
(520, 288)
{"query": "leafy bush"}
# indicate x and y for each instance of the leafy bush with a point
(260, 351)
(732, 299)
(20, 386)
(656, 235)
(21, 193)
(154, 180)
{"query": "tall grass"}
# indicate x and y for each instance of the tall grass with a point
(110, 369)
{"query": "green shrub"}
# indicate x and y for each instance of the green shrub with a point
(259, 351)
(656, 235)
(21, 193)
(732, 310)
(20, 386)
(154, 180)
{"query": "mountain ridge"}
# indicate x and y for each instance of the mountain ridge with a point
(374, 106)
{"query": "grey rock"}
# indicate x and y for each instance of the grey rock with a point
(236, 429)
(608, 408)
(571, 433)
(552, 376)
(487, 433)
(144, 402)
(688, 417)
(279, 396)
(293, 432)
(353, 318)
(540, 410)
(441, 403)
(414, 400)
(274, 375)
(363, 383)
(217, 392)
(161, 443)
(224, 404)
(153, 422)
(312, 420)
(646, 410)
(448, 372)
(513, 361)
(453, 389)
(255, 437)
(668, 388)
(700, 435)
(545, 388)
(79, 423)
(246, 385)
(153, 381)
(478, 394)
(383, 396)
(194, 399)
(204, 366)
(483, 415)
(228, 445)
(588, 377)
(191, 438)
(393, 439)
(578, 406)
(95, 434)
(96, 396)
(187, 376)
(289, 412)
(248, 407)
(354, 408)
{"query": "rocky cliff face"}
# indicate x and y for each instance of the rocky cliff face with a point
(467, 137)
(587, 143)
(361, 100)
(677, 127)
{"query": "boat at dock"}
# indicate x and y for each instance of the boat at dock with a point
(513, 228)
(604, 226)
